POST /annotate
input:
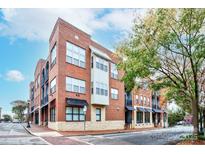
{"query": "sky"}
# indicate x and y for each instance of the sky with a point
(24, 35)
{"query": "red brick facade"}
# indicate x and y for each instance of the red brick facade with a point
(45, 104)
(64, 32)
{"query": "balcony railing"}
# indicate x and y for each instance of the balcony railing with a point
(156, 106)
(128, 102)
(128, 99)
(42, 81)
(44, 100)
(32, 108)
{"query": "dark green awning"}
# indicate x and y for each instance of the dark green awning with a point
(76, 102)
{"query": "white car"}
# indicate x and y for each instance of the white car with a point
(180, 123)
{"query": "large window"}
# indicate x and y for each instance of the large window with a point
(145, 101)
(98, 114)
(141, 99)
(148, 101)
(53, 55)
(147, 117)
(75, 114)
(53, 86)
(101, 64)
(38, 80)
(75, 85)
(114, 71)
(52, 114)
(101, 89)
(137, 98)
(114, 93)
(139, 117)
(75, 55)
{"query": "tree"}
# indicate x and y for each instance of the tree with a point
(7, 117)
(167, 47)
(18, 108)
(174, 117)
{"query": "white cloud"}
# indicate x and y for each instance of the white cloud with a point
(37, 24)
(14, 75)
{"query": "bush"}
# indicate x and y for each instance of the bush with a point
(174, 117)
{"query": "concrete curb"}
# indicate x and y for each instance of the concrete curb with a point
(35, 135)
(28, 130)
(119, 132)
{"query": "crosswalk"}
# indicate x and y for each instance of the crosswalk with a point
(15, 134)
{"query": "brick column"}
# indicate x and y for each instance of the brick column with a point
(134, 118)
(143, 117)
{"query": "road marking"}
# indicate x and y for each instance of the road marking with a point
(76, 139)
(44, 140)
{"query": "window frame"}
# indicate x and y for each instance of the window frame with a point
(139, 119)
(101, 64)
(101, 88)
(53, 87)
(114, 72)
(137, 98)
(72, 85)
(77, 51)
(52, 114)
(98, 114)
(113, 94)
(147, 118)
(53, 61)
(79, 114)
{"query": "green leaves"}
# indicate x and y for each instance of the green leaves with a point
(18, 108)
(167, 45)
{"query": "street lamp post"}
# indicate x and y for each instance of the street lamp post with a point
(84, 110)
(28, 116)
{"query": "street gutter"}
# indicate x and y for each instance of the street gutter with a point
(28, 131)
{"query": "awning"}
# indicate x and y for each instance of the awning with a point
(76, 102)
(148, 110)
(141, 109)
(157, 110)
(131, 108)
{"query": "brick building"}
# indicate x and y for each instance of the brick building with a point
(145, 108)
(77, 73)
(80, 73)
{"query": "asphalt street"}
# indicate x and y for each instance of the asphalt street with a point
(15, 134)
(163, 136)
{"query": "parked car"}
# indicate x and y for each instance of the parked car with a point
(180, 123)
(16, 121)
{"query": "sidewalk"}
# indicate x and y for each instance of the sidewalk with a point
(44, 131)
(64, 137)
(50, 136)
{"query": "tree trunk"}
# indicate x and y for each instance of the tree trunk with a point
(201, 122)
(204, 119)
(195, 117)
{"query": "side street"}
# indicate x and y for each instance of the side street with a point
(19, 134)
